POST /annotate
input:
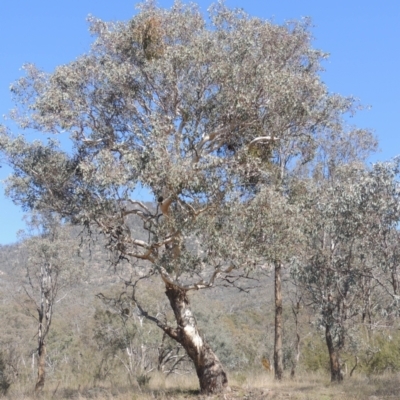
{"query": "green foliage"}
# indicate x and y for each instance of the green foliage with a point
(113, 332)
(143, 380)
(314, 354)
(385, 354)
(235, 330)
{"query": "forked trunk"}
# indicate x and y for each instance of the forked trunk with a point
(336, 373)
(41, 368)
(278, 355)
(212, 377)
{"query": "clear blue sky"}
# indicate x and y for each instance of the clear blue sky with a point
(363, 38)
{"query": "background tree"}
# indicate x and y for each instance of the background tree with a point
(275, 219)
(344, 215)
(52, 265)
(191, 110)
(383, 189)
(273, 232)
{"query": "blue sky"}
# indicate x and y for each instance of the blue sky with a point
(363, 38)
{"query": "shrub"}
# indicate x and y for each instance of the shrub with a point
(5, 381)
(387, 354)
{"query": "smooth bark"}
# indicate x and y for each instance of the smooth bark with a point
(212, 377)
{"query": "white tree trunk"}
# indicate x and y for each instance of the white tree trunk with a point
(212, 377)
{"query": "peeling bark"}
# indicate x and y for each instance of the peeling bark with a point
(41, 368)
(212, 377)
(45, 312)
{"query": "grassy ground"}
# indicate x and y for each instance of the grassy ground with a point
(306, 387)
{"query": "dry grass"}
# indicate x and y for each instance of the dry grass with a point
(242, 386)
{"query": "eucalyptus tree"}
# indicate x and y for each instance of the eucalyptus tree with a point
(331, 264)
(53, 264)
(346, 255)
(275, 219)
(273, 232)
(382, 188)
(197, 111)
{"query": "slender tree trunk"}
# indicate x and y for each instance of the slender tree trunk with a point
(212, 377)
(295, 361)
(296, 358)
(41, 367)
(395, 283)
(278, 354)
(44, 318)
(366, 314)
(336, 373)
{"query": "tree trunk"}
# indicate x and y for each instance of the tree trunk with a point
(295, 361)
(395, 283)
(278, 355)
(41, 368)
(336, 373)
(212, 377)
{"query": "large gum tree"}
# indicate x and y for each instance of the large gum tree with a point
(198, 111)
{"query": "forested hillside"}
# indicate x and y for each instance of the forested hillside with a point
(98, 343)
(93, 341)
